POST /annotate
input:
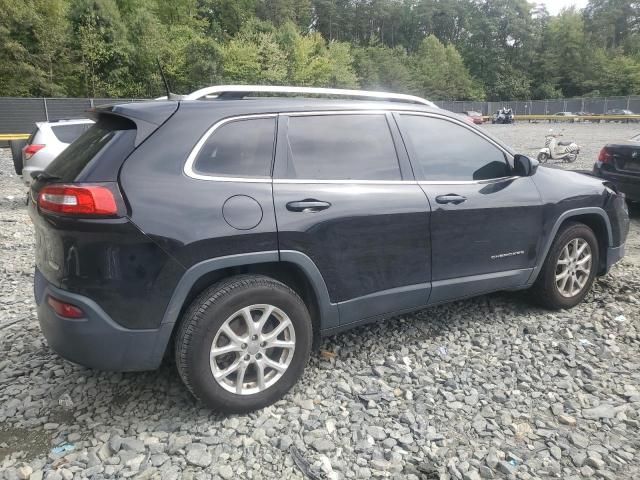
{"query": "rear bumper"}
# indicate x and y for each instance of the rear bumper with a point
(97, 341)
(26, 174)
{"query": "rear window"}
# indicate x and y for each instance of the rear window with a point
(93, 143)
(242, 148)
(69, 133)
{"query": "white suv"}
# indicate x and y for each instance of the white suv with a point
(47, 141)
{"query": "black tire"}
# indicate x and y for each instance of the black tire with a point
(545, 290)
(543, 157)
(16, 154)
(207, 314)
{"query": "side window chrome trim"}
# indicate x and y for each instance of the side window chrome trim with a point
(189, 171)
(343, 182)
(188, 166)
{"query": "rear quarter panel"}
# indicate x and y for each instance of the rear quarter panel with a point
(181, 214)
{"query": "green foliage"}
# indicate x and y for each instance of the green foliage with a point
(442, 49)
(440, 73)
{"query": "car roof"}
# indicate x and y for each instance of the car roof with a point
(223, 108)
(249, 105)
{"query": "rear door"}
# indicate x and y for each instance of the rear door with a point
(485, 222)
(346, 200)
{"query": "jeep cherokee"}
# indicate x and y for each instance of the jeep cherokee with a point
(232, 230)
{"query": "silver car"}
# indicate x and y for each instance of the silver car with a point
(47, 141)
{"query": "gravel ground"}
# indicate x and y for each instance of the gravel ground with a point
(528, 138)
(486, 388)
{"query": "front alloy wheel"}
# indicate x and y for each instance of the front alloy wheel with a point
(569, 269)
(573, 267)
(253, 349)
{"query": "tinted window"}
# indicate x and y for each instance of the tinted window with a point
(443, 150)
(242, 148)
(69, 133)
(341, 147)
(68, 165)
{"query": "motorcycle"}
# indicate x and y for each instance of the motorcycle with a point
(565, 151)
(503, 116)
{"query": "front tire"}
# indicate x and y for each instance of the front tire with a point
(243, 343)
(570, 268)
(543, 157)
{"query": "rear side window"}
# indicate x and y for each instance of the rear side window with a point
(241, 148)
(341, 147)
(69, 133)
(108, 131)
(443, 150)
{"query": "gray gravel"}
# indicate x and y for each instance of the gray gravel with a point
(528, 138)
(491, 387)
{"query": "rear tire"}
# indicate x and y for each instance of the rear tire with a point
(16, 154)
(227, 327)
(570, 268)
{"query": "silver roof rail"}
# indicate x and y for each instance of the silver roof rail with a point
(219, 90)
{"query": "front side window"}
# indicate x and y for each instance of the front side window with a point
(442, 150)
(341, 147)
(240, 148)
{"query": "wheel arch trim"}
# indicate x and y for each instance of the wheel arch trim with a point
(328, 311)
(576, 212)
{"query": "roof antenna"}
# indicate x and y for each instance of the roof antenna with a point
(170, 96)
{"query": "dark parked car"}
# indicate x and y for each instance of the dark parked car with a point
(233, 231)
(619, 163)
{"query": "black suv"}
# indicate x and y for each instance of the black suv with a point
(233, 231)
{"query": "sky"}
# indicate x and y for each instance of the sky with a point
(554, 6)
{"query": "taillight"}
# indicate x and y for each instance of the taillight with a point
(30, 150)
(64, 309)
(81, 200)
(605, 156)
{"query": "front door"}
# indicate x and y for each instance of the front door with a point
(343, 199)
(485, 222)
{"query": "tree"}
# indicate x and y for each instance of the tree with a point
(382, 68)
(439, 72)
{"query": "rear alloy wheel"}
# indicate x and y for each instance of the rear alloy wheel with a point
(253, 349)
(569, 269)
(243, 343)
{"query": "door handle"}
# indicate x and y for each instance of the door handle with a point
(451, 198)
(307, 206)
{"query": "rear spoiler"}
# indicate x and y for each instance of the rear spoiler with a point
(147, 116)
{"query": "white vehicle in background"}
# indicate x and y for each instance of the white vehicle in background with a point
(46, 142)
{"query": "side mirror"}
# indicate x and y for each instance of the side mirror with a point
(524, 166)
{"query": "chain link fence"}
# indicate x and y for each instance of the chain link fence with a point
(593, 105)
(18, 115)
